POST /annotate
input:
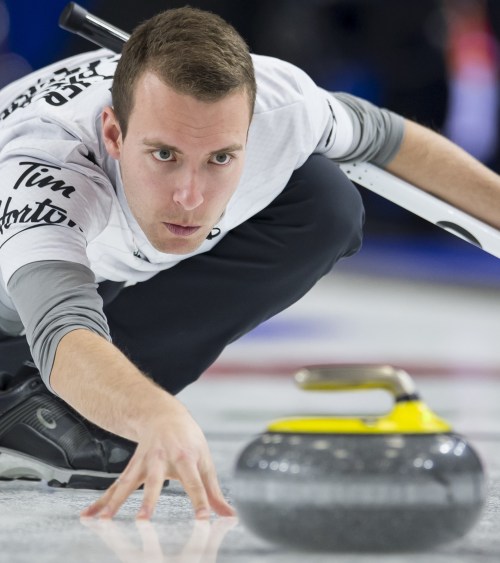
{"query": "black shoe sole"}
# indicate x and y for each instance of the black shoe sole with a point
(15, 465)
(22, 467)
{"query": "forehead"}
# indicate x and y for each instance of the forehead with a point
(159, 105)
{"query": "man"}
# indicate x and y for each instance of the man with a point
(172, 215)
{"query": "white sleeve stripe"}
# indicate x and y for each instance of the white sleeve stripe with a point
(377, 132)
(338, 141)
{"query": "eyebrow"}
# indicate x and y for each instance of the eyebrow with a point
(161, 145)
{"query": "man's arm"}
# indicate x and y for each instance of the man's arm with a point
(438, 166)
(97, 380)
(69, 339)
(423, 158)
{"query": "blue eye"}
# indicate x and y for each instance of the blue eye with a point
(163, 155)
(221, 158)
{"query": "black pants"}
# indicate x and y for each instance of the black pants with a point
(175, 325)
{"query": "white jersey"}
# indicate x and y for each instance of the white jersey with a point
(61, 195)
(64, 219)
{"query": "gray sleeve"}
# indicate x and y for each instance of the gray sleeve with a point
(377, 132)
(52, 299)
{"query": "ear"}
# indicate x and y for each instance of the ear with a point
(111, 133)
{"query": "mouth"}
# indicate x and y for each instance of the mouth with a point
(181, 230)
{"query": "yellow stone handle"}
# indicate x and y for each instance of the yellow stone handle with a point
(353, 377)
(409, 414)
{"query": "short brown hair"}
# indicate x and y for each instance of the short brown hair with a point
(193, 51)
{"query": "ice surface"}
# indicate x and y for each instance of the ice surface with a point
(450, 336)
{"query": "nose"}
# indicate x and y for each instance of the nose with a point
(188, 194)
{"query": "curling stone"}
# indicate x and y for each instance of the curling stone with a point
(402, 481)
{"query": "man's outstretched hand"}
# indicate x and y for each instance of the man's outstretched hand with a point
(172, 447)
(101, 383)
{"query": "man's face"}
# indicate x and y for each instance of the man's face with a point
(181, 161)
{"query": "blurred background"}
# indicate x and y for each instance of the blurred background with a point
(435, 61)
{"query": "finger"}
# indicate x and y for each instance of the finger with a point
(125, 487)
(110, 502)
(215, 495)
(194, 487)
(96, 506)
(153, 486)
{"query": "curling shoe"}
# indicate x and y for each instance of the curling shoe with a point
(43, 438)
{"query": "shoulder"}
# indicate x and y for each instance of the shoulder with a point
(52, 116)
(63, 99)
(280, 84)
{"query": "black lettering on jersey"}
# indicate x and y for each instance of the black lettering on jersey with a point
(62, 86)
(215, 232)
(91, 157)
(36, 175)
(43, 212)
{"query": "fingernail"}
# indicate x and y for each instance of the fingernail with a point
(143, 514)
(105, 512)
(202, 514)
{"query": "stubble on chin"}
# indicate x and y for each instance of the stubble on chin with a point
(177, 246)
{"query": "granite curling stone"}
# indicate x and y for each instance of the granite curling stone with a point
(398, 482)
